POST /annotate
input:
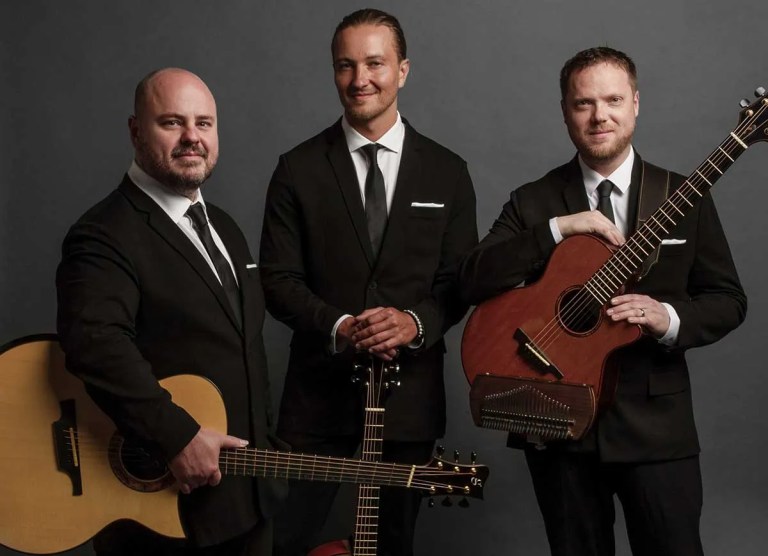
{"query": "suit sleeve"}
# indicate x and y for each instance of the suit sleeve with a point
(716, 302)
(513, 251)
(445, 307)
(288, 296)
(98, 300)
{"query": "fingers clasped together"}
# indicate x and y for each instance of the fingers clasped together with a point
(380, 331)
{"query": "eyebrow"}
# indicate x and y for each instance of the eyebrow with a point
(183, 117)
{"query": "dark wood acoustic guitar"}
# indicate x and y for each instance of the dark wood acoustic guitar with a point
(538, 357)
(67, 473)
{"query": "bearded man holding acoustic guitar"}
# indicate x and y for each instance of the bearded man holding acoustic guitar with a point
(643, 447)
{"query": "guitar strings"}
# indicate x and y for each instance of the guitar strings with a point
(576, 309)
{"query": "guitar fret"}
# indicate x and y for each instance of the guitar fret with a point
(661, 210)
(714, 166)
(704, 178)
(674, 206)
(658, 224)
(726, 154)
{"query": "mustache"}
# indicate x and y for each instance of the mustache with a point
(185, 151)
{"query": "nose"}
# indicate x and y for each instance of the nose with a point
(190, 135)
(360, 77)
(600, 113)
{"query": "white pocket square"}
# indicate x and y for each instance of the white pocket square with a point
(252, 265)
(673, 241)
(428, 205)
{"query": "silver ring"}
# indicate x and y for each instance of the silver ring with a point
(642, 312)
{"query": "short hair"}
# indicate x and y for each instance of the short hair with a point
(593, 56)
(370, 16)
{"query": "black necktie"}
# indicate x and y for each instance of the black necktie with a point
(375, 199)
(223, 269)
(604, 203)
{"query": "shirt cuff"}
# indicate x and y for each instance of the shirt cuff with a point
(558, 237)
(670, 336)
(332, 345)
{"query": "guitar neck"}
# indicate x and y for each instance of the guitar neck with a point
(272, 464)
(628, 259)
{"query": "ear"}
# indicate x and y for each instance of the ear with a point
(403, 69)
(133, 129)
(636, 102)
(562, 108)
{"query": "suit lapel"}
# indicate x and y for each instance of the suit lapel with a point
(346, 178)
(408, 179)
(574, 194)
(171, 234)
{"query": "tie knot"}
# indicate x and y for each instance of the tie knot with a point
(370, 151)
(605, 188)
(196, 213)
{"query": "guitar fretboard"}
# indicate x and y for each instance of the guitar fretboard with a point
(627, 260)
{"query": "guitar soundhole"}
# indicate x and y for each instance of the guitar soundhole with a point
(578, 311)
(136, 468)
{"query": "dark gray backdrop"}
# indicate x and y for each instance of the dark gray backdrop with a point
(483, 82)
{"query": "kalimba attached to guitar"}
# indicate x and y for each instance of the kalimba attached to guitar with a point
(539, 357)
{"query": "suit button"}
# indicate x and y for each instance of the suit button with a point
(373, 285)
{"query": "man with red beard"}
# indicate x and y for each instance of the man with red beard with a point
(643, 448)
(154, 281)
(364, 227)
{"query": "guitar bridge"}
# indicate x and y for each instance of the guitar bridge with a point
(67, 447)
(529, 351)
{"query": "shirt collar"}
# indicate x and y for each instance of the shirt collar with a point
(621, 176)
(392, 140)
(174, 205)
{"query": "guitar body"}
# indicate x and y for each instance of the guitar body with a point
(572, 341)
(36, 492)
(67, 473)
(332, 548)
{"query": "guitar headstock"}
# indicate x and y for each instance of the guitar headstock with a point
(377, 376)
(443, 477)
(753, 119)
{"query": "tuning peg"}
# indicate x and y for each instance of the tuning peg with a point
(464, 503)
(760, 91)
(355, 379)
(744, 103)
(431, 503)
(439, 451)
(456, 456)
(447, 502)
(473, 457)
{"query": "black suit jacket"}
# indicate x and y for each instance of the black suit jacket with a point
(137, 303)
(317, 265)
(652, 416)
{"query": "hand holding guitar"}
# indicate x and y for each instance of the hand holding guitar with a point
(381, 330)
(590, 222)
(198, 463)
(651, 315)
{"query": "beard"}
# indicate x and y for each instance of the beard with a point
(181, 176)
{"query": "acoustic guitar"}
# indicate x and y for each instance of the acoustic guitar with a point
(538, 357)
(67, 473)
(377, 377)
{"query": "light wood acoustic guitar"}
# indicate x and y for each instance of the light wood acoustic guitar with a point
(538, 357)
(67, 473)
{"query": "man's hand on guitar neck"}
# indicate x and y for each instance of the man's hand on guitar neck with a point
(589, 222)
(198, 463)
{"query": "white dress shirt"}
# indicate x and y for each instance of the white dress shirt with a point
(621, 179)
(389, 164)
(176, 206)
